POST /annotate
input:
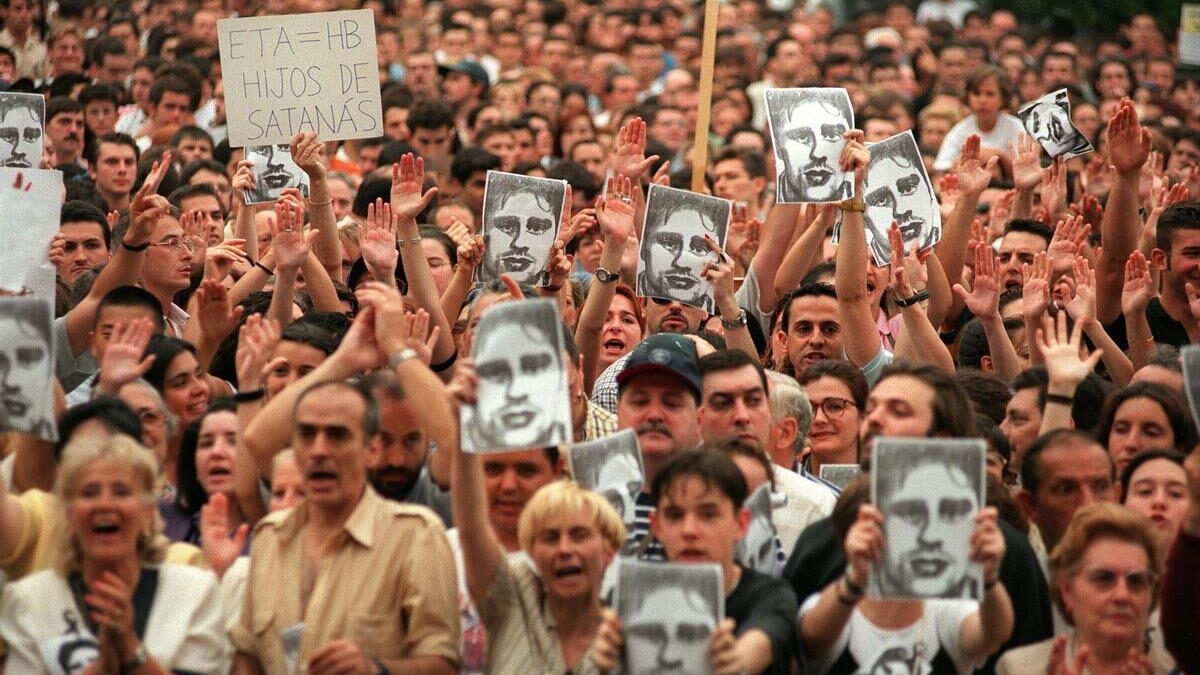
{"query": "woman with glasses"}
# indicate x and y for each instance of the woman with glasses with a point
(1104, 578)
(837, 391)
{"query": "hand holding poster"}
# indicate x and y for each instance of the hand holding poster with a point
(521, 216)
(31, 201)
(611, 467)
(22, 119)
(807, 130)
(668, 614)
(521, 401)
(929, 491)
(1048, 120)
(674, 253)
(303, 72)
(27, 347)
(274, 171)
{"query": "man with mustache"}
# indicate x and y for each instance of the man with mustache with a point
(64, 131)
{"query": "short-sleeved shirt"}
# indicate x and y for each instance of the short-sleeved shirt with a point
(873, 648)
(388, 586)
(522, 635)
(768, 604)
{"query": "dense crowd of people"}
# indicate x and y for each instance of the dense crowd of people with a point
(259, 464)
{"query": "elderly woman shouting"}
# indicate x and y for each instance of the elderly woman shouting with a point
(110, 605)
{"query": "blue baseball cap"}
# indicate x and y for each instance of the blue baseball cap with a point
(668, 353)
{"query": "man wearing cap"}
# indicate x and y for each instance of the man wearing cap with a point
(659, 393)
(464, 86)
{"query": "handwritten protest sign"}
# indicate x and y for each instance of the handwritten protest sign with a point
(304, 72)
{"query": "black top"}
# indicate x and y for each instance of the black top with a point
(1166, 331)
(819, 559)
(766, 603)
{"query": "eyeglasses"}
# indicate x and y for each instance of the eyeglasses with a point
(1137, 581)
(177, 244)
(834, 407)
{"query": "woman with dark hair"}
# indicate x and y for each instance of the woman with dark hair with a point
(837, 392)
(1154, 483)
(1145, 416)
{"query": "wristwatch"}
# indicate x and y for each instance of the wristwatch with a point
(853, 205)
(736, 322)
(140, 657)
(920, 295)
(606, 277)
(399, 357)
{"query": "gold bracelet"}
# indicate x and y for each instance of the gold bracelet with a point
(327, 202)
(1142, 342)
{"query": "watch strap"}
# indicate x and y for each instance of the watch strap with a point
(606, 277)
(913, 299)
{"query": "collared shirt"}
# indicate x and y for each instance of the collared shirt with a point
(806, 472)
(176, 319)
(388, 585)
(604, 391)
(30, 57)
(600, 423)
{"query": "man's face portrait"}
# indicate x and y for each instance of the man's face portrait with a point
(21, 130)
(521, 385)
(897, 188)
(669, 633)
(928, 532)
(24, 371)
(1048, 121)
(274, 171)
(619, 480)
(808, 129)
(757, 549)
(674, 253)
(520, 222)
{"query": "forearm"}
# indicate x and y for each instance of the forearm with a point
(245, 473)
(919, 340)
(435, 415)
(1140, 338)
(456, 294)
(777, 234)
(482, 554)
(1022, 206)
(938, 285)
(994, 626)
(34, 466)
(1005, 361)
(243, 228)
(253, 280)
(821, 627)
(283, 295)
(419, 665)
(327, 248)
(754, 651)
(1033, 323)
(589, 328)
(1119, 366)
(952, 249)
(861, 339)
(799, 258)
(423, 290)
(320, 286)
(1057, 414)
(1119, 232)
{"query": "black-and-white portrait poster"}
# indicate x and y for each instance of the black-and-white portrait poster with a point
(612, 467)
(929, 490)
(521, 215)
(31, 201)
(757, 549)
(1048, 121)
(1190, 357)
(22, 119)
(274, 171)
(522, 399)
(807, 128)
(674, 253)
(668, 614)
(27, 367)
(840, 474)
(898, 188)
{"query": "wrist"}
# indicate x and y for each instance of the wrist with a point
(1060, 389)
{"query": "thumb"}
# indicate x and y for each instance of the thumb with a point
(961, 292)
(239, 537)
(145, 365)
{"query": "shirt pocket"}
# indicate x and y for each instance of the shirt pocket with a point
(378, 634)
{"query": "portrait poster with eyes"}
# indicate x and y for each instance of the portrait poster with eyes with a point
(522, 399)
(1048, 121)
(668, 614)
(27, 367)
(1190, 357)
(274, 171)
(840, 474)
(807, 127)
(756, 550)
(521, 215)
(898, 188)
(22, 121)
(929, 490)
(31, 201)
(611, 467)
(674, 254)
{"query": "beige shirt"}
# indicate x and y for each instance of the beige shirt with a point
(389, 587)
(522, 637)
(30, 57)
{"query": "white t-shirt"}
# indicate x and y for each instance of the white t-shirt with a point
(872, 648)
(1007, 129)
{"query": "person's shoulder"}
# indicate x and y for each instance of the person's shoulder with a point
(802, 489)
(1028, 659)
(35, 584)
(410, 515)
(272, 521)
(180, 576)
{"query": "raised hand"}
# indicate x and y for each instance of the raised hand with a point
(1026, 166)
(855, 158)
(1129, 143)
(1138, 290)
(722, 650)
(719, 271)
(377, 244)
(987, 543)
(1082, 306)
(408, 177)
(359, 351)
(58, 245)
(256, 342)
(458, 233)
(1054, 187)
(1069, 240)
(614, 210)
(1089, 208)
(464, 384)
(1001, 209)
(213, 312)
(629, 151)
(289, 243)
(243, 179)
(606, 649)
(864, 544)
(1060, 349)
(147, 195)
(220, 548)
(972, 174)
(900, 282)
(984, 297)
(219, 260)
(1035, 296)
(1193, 297)
(470, 254)
(308, 152)
(558, 267)
(123, 360)
(567, 226)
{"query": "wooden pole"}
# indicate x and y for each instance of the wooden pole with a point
(707, 57)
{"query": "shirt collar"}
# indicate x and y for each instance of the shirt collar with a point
(360, 526)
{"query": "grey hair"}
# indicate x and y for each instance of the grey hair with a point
(170, 419)
(788, 399)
